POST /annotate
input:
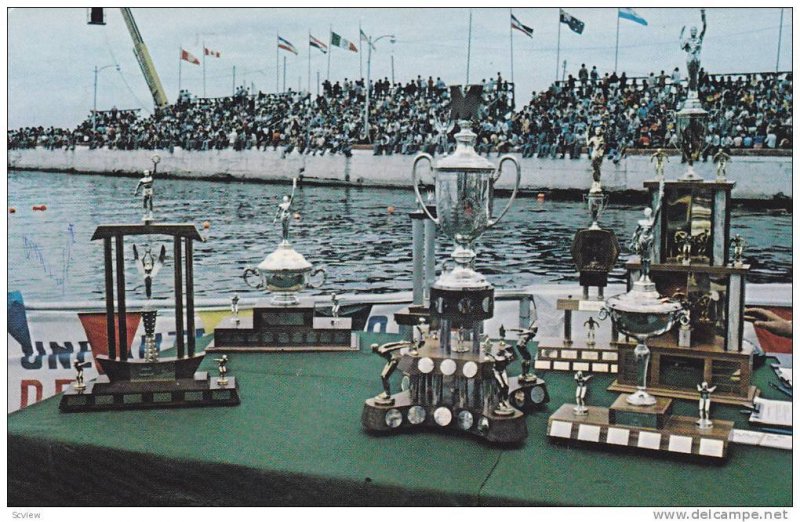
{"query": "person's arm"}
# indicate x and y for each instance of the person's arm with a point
(770, 321)
(703, 18)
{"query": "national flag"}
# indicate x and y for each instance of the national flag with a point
(573, 23)
(519, 26)
(629, 14)
(209, 52)
(189, 57)
(286, 45)
(313, 42)
(363, 36)
(338, 41)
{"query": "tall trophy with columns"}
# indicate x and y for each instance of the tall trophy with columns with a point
(456, 381)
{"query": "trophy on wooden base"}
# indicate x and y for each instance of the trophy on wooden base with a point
(458, 380)
(286, 322)
(153, 381)
(640, 419)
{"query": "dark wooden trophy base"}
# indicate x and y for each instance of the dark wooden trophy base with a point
(102, 394)
(290, 328)
(650, 429)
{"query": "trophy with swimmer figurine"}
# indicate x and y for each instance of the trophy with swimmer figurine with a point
(640, 420)
(458, 378)
(692, 120)
(286, 322)
(146, 186)
(149, 380)
(594, 249)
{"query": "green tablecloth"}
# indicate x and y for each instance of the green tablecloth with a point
(296, 439)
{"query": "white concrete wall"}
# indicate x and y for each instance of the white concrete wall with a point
(757, 177)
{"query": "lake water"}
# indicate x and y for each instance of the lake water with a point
(348, 231)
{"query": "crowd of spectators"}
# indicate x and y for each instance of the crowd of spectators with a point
(748, 111)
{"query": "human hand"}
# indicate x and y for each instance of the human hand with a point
(770, 321)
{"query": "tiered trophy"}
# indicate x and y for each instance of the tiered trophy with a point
(640, 420)
(458, 377)
(153, 381)
(595, 251)
(286, 323)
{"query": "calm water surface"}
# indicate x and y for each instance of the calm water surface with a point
(346, 230)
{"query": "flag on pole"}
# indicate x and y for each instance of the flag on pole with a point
(338, 41)
(629, 14)
(519, 26)
(209, 52)
(189, 57)
(573, 23)
(363, 37)
(286, 45)
(314, 42)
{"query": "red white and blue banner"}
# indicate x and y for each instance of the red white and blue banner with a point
(519, 26)
(286, 45)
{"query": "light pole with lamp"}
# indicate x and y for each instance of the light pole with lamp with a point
(94, 106)
(370, 44)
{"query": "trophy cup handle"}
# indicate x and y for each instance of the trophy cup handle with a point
(603, 314)
(321, 280)
(246, 276)
(496, 176)
(415, 181)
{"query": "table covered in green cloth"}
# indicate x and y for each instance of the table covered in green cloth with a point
(296, 439)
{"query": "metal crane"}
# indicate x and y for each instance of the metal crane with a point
(146, 64)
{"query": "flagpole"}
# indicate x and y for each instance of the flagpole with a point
(204, 68)
(284, 73)
(511, 39)
(233, 84)
(309, 62)
(780, 34)
(616, 46)
(361, 54)
(277, 65)
(180, 59)
(558, 45)
(469, 43)
(330, 51)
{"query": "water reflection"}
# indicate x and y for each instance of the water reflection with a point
(363, 247)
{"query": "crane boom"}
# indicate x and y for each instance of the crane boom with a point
(145, 62)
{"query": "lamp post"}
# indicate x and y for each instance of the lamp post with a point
(94, 105)
(370, 43)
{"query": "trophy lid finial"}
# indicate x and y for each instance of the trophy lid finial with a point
(465, 106)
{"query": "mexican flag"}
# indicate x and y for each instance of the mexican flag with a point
(338, 41)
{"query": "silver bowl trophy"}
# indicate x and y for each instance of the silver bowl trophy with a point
(284, 272)
(286, 322)
(642, 312)
(692, 119)
(456, 381)
(149, 381)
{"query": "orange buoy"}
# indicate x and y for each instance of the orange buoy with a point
(297, 216)
(12, 210)
(390, 209)
(540, 196)
(206, 225)
(39, 207)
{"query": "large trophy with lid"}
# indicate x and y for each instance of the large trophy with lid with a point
(457, 376)
(286, 322)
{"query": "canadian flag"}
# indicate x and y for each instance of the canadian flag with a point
(209, 52)
(189, 57)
